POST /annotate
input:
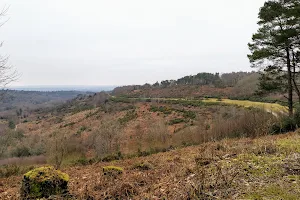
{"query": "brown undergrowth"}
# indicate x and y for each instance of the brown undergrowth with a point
(262, 168)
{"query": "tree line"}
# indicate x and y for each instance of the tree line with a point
(204, 78)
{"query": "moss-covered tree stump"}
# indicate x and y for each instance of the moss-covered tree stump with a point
(44, 182)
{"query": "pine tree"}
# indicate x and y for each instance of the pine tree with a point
(275, 46)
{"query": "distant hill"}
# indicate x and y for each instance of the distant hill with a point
(17, 104)
(233, 84)
(82, 88)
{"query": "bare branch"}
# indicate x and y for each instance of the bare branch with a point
(7, 72)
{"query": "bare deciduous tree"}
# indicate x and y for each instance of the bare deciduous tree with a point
(7, 72)
(107, 138)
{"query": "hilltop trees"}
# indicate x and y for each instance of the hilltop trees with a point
(275, 47)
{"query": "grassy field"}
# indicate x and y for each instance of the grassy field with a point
(270, 107)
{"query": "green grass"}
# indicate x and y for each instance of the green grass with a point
(273, 191)
(271, 107)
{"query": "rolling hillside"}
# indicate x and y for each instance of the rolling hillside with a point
(229, 169)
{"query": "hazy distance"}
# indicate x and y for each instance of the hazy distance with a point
(97, 42)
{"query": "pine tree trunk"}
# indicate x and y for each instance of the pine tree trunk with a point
(294, 77)
(290, 83)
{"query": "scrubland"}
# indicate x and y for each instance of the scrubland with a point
(261, 168)
(166, 149)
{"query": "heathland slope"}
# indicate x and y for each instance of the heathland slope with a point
(179, 147)
(263, 168)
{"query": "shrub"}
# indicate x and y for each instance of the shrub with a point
(143, 153)
(21, 151)
(62, 147)
(189, 114)
(157, 137)
(69, 124)
(106, 139)
(112, 170)
(129, 107)
(245, 123)
(176, 121)
(82, 129)
(11, 125)
(130, 115)
(13, 170)
(112, 157)
(120, 99)
(82, 161)
(162, 109)
(287, 123)
(142, 166)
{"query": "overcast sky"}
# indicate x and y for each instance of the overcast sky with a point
(118, 42)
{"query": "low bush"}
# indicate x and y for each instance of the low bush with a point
(142, 166)
(112, 170)
(84, 161)
(13, 170)
(11, 124)
(21, 151)
(130, 115)
(112, 157)
(69, 124)
(82, 129)
(177, 121)
(162, 109)
(245, 123)
(105, 140)
(120, 99)
(129, 107)
(286, 123)
(189, 114)
(195, 103)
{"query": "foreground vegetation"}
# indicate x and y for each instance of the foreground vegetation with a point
(229, 169)
(125, 129)
(131, 142)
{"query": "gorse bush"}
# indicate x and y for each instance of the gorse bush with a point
(81, 129)
(177, 121)
(189, 114)
(121, 99)
(130, 115)
(162, 109)
(11, 124)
